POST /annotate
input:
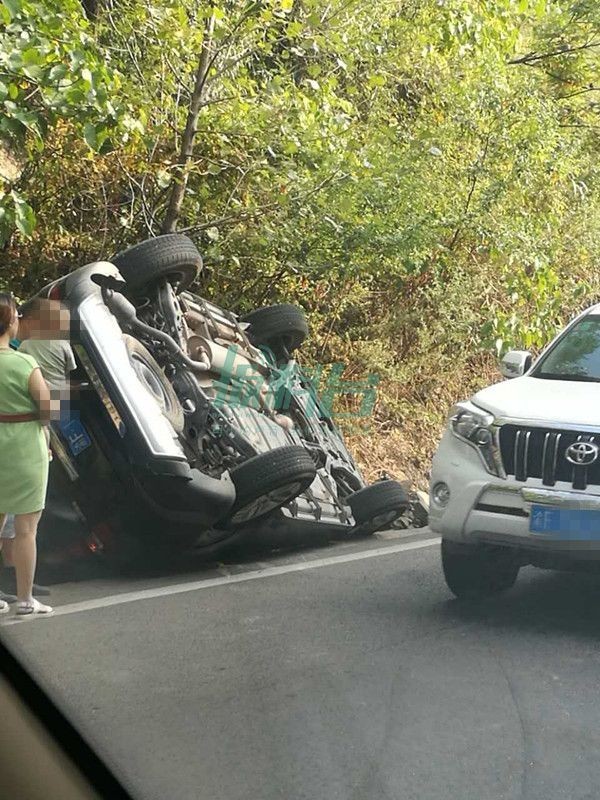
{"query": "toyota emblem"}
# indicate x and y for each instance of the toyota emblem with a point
(582, 454)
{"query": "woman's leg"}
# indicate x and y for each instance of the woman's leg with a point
(4, 607)
(6, 545)
(2, 523)
(24, 553)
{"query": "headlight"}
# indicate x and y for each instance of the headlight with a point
(475, 426)
(467, 421)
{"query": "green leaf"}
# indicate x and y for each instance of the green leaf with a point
(57, 73)
(24, 215)
(29, 119)
(11, 126)
(35, 72)
(163, 178)
(377, 80)
(294, 29)
(31, 56)
(13, 7)
(90, 136)
(15, 60)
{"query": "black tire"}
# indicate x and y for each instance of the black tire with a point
(153, 378)
(419, 513)
(173, 257)
(268, 481)
(375, 507)
(476, 571)
(281, 328)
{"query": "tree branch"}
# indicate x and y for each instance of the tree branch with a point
(578, 92)
(254, 212)
(187, 141)
(474, 180)
(533, 58)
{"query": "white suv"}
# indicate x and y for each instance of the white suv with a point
(516, 477)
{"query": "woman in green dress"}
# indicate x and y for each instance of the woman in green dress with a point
(24, 416)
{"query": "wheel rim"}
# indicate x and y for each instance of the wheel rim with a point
(266, 502)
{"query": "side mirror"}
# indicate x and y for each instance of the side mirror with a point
(515, 363)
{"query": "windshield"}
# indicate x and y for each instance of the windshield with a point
(575, 357)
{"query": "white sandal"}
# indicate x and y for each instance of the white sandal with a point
(26, 607)
(4, 607)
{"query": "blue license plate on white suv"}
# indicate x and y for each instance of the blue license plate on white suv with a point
(565, 523)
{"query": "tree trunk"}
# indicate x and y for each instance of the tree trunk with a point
(91, 8)
(187, 141)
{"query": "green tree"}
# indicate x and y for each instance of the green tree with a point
(50, 70)
(421, 176)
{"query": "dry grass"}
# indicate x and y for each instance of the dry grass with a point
(402, 444)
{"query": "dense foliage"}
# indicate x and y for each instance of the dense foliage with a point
(421, 175)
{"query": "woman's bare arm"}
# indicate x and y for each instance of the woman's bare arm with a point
(40, 394)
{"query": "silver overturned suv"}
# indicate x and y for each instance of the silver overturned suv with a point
(516, 477)
(191, 422)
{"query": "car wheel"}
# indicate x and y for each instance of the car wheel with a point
(473, 571)
(281, 328)
(268, 481)
(153, 378)
(171, 257)
(375, 507)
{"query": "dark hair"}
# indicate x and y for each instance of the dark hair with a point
(8, 309)
(30, 308)
(33, 307)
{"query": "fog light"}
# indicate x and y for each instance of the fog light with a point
(440, 494)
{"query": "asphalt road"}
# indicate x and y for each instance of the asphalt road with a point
(338, 673)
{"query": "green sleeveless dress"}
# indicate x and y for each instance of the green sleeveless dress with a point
(23, 448)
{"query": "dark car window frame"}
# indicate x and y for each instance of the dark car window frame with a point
(74, 746)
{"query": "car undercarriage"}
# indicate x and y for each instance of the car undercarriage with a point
(198, 421)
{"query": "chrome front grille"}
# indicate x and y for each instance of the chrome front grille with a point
(531, 452)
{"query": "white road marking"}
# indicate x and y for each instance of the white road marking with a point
(194, 586)
(390, 535)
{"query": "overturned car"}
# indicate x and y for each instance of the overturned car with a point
(191, 423)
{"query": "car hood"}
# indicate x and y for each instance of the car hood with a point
(543, 401)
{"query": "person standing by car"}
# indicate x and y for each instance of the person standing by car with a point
(24, 413)
(44, 334)
(44, 331)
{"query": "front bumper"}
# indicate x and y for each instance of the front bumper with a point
(484, 508)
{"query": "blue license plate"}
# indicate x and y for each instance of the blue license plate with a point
(571, 524)
(76, 436)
